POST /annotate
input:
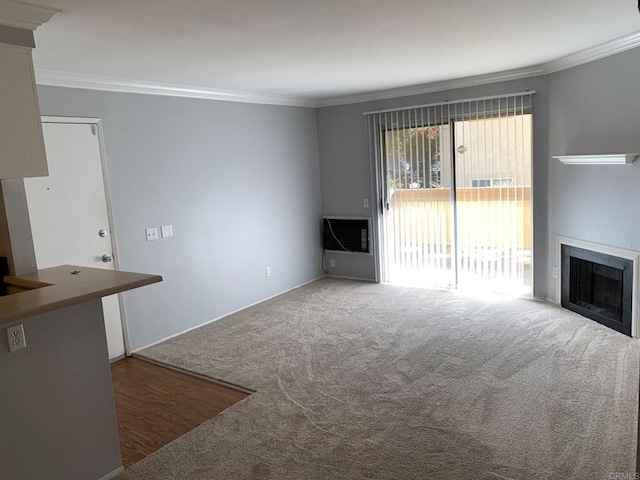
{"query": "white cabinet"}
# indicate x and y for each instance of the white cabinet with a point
(21, 142)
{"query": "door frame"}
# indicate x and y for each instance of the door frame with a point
(97, 125)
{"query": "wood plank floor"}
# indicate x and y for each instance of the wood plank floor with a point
(156, 405)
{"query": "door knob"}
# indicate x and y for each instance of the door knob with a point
(107, 257)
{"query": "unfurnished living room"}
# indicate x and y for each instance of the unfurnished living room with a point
(347, 239)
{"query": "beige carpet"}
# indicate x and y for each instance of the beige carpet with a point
(362, 381)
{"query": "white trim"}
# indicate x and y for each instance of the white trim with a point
(632, 255)
(108, 84)
(118, 358)
(113, 474)
(605, 159)
(433, 87)
(25, 15)
(133, 352)
(603, 50)
(107, 191)
(606, 49)
(81, 120)
(346, 277)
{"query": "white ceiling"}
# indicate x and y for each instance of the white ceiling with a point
(316, 49)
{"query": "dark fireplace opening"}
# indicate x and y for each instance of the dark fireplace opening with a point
(598, 286)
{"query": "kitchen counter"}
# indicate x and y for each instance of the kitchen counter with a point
(58, 287)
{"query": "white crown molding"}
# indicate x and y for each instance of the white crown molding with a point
(25, 15)
(433, 87)
(108, 84)
(607, 49)
(89, 82)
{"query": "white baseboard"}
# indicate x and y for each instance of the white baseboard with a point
(352, 278)
(224, 315)
(113, 474)
(117, 359)
(550, 300)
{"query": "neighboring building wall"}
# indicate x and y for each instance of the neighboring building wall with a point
(239, 183)
(510, 161)
(595, 108)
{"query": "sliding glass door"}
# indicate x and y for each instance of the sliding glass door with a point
(456, 195)
(493, 202)
(418, 209)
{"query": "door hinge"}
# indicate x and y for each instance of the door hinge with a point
(94, 129)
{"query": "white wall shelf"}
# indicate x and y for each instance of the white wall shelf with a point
(604, 159)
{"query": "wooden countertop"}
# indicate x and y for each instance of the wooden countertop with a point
(58, 287)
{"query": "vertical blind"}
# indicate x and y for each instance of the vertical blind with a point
(454, 181)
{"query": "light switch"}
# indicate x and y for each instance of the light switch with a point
(166, 231)
(152, 233)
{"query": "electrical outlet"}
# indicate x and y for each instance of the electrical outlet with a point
(267, 271)
(332, 263)
(151, 233)
(365, 203)
(15, 338)
(555, 272)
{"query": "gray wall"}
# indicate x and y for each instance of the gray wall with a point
(345, 166)
(595, 108)
(239, 183)
(238, 180)
(57, 414)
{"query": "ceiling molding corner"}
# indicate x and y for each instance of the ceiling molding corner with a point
(25, 15)
(603, 50)
(108, 84)
(433, 87)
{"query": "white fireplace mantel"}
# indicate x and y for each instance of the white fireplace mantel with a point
(632, 255)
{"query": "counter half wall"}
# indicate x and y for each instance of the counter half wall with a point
(57, 411)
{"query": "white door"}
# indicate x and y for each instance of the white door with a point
(68, 211)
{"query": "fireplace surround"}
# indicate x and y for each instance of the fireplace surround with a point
(599, 282)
